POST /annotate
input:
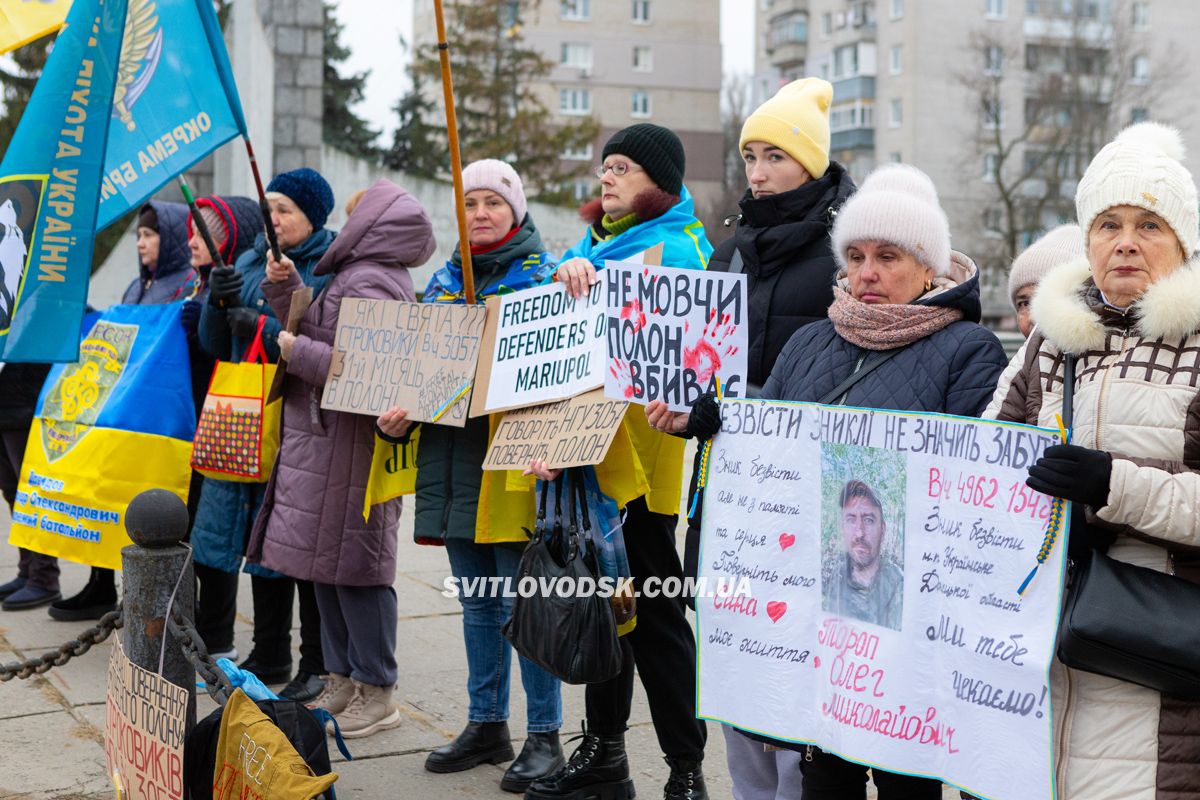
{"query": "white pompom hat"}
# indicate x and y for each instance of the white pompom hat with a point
(1142, 167)
(897, 203)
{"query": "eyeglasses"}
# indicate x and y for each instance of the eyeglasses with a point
(618, 168)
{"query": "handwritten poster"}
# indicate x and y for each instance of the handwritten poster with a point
(144, 728)
(565, 433)
(672, 332)
(884, 551)
(417, 356)
(540, 345)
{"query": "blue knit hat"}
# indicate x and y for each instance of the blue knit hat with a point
(308, 190)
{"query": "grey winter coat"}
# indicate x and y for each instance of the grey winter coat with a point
(311, 523)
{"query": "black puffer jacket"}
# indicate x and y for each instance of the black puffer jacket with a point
(784, 243)
(20, 385)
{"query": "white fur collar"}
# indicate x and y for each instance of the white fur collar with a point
(1170, 308)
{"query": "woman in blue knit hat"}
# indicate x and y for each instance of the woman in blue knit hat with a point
(301, 201)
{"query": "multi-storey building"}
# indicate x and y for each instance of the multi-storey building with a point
(624, 62)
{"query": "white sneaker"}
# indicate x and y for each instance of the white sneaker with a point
(370, 710)
(231, 654)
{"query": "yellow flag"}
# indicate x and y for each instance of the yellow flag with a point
(22, 21)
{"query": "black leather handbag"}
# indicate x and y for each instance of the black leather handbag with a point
(1125, 621)
(573, 637)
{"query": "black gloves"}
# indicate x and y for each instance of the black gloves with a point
(190, 316)
(226, 287)
(704, 421)
(1073, 473)
(243, 322)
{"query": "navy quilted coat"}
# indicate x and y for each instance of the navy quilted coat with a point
(953, 371)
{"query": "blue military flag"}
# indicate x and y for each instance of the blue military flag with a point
(50, 187)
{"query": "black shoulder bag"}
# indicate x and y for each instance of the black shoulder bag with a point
(1128, 622)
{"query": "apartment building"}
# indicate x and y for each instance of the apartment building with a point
(984, 95)
(624, 62)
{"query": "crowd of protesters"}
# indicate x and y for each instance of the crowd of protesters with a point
(841, 280)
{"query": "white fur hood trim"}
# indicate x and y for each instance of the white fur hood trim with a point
(1170, 308)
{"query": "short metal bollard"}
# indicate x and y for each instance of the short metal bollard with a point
(156, 521)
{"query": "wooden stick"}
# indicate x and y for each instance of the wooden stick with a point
(263, 206)
(460, 202)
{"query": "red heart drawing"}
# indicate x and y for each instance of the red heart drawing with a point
(776, 609)
(817, 662)
(786, 540)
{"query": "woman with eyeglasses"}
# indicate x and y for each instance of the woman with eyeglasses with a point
(642, 203)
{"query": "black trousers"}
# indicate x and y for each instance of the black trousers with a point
(827, 777)
(273, 601)
(216, 606)
(662, 646)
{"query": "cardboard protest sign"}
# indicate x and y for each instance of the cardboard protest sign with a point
(539, 345)
(144, 728)
(418, 356)
(301, 299)
(884, 551)
(567, 433)
(671, 333)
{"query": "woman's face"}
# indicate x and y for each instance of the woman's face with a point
(200, 254)
(147, 247)
(617, 191)
(489, 217)
(1130, 248)
(770, 171)
(291, 226)
(1021, 302)
(882, 273)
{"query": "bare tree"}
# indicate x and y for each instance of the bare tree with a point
(735, 107)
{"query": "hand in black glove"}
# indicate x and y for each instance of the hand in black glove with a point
(704, 419)
(226, 283)
(190, 316)
(1074, 473)
(243, 322)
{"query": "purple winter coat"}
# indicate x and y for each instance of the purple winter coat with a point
(311, 525)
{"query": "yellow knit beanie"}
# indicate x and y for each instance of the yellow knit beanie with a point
(796, 120)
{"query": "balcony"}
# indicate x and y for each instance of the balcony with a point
(856, 139)
(861, 87)
(787, 37)
(788, 55)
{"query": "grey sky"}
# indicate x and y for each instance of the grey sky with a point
(373, 29)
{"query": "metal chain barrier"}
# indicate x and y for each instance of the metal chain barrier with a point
(216, 682)
(66, 651)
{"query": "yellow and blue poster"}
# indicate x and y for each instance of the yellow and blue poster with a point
(116, 422)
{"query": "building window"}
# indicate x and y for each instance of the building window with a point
(994, 9)
(641, 12)
(639, 104)
(845, 62)
(993, 221)
(826, 25)
(896, 59)
(643, 58)
(993, 60)
(1141, 16)
(993, 114)
(575, 101)
(991, 162)
(583, 153)
(851, 117)
(1141, 69)
(897, 10)
(583, 190)
(895, 157)
(577, 10)
(788, 29)
(576, 54)
(896, 114)
(1138, 114)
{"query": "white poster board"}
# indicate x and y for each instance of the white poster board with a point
(884, 625)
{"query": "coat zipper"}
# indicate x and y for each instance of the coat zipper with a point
(1104, 391)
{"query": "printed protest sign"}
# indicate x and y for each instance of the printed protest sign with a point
(540, 345)
(884, 551)
(417, 356)
(566, 433)
(144, 727)
(673, 332)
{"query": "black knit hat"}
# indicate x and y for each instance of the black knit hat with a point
(655, 149)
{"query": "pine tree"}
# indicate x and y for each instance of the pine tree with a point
(18, 84)
(499, 113)
(341, 127)
(416, 149)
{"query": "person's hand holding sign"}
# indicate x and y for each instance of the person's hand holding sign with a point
(394, 423)
(538, 468)
(702, 422)
(578, 274)
(278, 271)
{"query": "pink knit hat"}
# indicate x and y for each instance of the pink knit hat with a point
(500, 178)
(1055, 247)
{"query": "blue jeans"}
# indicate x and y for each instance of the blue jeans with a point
(489, 655)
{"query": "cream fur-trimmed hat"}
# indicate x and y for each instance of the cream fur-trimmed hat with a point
(1056, 246)
(796, 120)
(1142, 167)
(897, 203)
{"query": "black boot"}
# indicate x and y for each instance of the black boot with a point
(479, 743)
(598, 770)
(541, 756)
(686, 781)
(98, 597)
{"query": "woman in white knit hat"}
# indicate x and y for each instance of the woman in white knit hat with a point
(1056, 246)
(1128, 316)
(905, 320)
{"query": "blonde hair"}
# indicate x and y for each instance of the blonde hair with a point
(352, 203)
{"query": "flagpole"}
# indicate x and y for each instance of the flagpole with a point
(205, 234)
(263, 205)
(460, 209)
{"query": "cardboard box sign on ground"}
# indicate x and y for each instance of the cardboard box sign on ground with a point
(566, 433)
(417, 356)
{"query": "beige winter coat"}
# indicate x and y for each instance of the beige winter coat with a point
(1136, 396)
